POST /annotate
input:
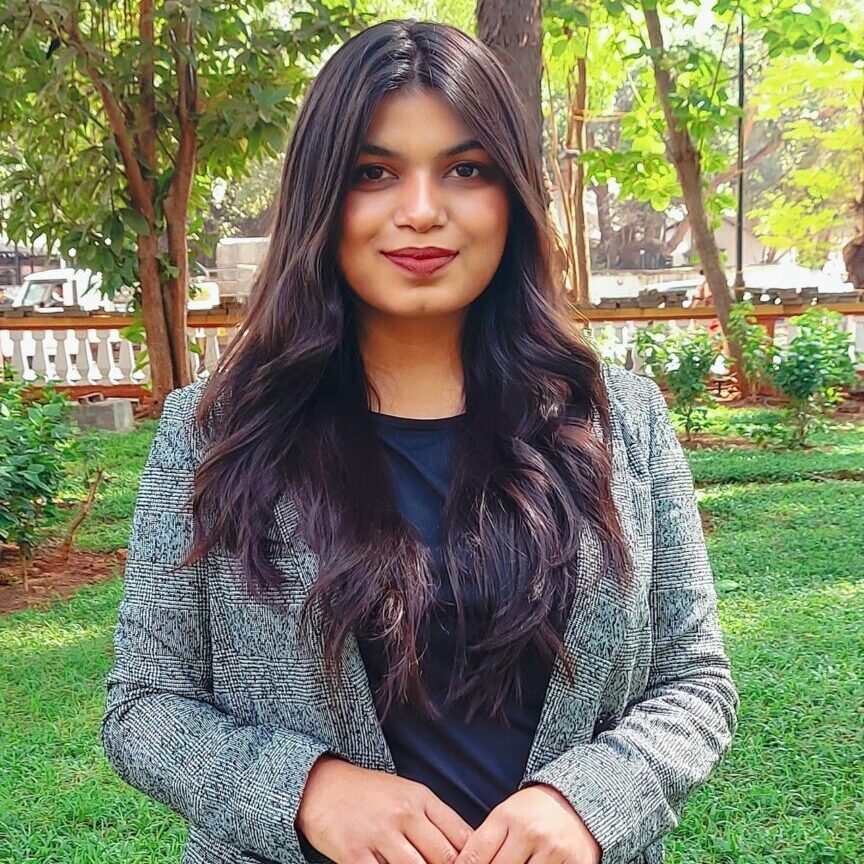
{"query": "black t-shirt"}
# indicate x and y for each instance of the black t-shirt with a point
(470, 766)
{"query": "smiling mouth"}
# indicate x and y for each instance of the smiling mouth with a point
(420, 266)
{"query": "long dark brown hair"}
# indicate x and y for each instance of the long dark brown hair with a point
(528, 473)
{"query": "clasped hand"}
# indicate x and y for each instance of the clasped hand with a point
(354, 815)
(536, 825)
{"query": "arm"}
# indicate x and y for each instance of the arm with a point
(161, 731)
(630, 783)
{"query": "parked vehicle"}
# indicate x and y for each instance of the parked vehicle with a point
(53, 291)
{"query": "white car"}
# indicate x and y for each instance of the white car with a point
(51, 291)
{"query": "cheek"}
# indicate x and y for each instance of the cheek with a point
(349, 231)
(355, 250)
(485, 220)
(485, 216)
(361, 218)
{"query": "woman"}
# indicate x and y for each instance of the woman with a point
(441, 592)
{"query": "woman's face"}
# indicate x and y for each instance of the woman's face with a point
(409, 189)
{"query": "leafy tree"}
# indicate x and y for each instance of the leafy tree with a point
(117, 118)
(690, 110)
(804, 198)
(691, 87)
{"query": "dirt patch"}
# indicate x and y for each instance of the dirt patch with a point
(51, 577)
(701, 441)
(707, 523)
(845, 474)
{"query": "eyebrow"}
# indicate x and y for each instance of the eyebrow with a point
(370, 149)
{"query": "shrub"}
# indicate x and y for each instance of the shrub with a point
(814, 368)
(37, 441)
(811, 371)
(682, 363)
(757, 347)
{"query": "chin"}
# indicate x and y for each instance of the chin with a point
(402, 298)
(424, 310)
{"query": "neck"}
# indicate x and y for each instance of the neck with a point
(415, 365)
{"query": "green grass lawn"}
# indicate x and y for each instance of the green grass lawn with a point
(788, 556)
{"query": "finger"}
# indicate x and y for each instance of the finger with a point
(516, 849)
(428, 839)
(449, 822)
(397, 849)
(484, 843)
(550, 856)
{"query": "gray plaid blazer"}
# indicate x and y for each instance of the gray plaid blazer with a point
(213, 710)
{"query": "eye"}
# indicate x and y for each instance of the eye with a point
(481, 169)
(359, 173)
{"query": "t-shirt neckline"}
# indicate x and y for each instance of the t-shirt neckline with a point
(418, 423)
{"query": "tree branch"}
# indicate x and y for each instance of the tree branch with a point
(146, 121)
(115, 114)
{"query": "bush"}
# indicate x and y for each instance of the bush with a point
(37, 441)
(811, 371)
(682, 363)
(814, 369)
(757, 347)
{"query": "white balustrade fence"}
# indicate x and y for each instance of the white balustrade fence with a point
(97, 356)
(100, 356)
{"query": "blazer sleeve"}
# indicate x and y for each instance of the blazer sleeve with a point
(161, 730)
(630, 783)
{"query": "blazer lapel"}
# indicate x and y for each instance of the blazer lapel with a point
(357, 729)
(594, 631)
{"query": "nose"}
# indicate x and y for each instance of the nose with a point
(421, 204)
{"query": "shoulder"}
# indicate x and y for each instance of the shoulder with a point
(179, 442)
(635, 401)
(181, 403)
(641, 421)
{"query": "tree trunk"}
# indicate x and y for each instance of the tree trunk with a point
(175, 294)
(136, 138)
(604, 224)
(513, 30)
(686, 160)
(165, 351)
(604, 217)
(155, 323)
(576, 185)
(176, 205)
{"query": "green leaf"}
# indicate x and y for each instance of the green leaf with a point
(135, 221)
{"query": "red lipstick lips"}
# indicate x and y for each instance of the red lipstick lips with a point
(421, 260)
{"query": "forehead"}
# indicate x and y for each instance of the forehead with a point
(417, 125)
